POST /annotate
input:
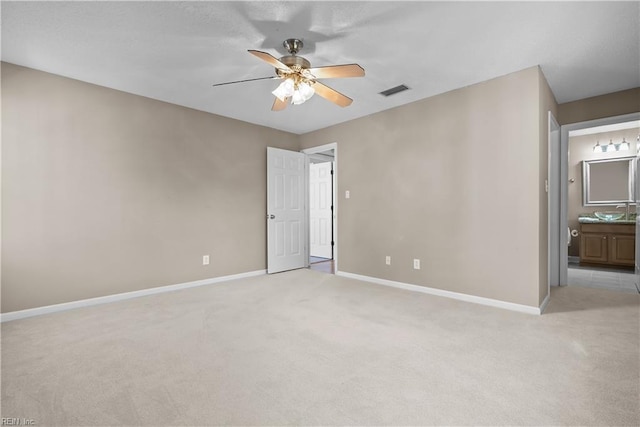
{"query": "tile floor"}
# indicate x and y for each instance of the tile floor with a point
(618, 280)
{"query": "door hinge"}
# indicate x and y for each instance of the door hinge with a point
(333, 243)
(331, 171)
(331, 208)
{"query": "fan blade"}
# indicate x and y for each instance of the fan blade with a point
(247, 80)
(332, 95)
(335, 71)
(270, 59)
(280, 105)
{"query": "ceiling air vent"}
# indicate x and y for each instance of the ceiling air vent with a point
(394, 90)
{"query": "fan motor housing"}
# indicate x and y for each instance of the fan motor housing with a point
(294, 62)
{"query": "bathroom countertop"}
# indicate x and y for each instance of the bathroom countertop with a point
(592, 219)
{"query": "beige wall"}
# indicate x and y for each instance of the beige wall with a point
(547, 103)
(106, 192)
(581, 148)
(453, 180)
(610, 105)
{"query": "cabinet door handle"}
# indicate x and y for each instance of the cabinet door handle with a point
(604, 237)
(614, 238)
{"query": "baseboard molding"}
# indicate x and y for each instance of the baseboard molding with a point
(574, 260)
(22, 314)
(545, 301)
(447, 294)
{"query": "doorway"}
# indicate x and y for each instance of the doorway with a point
(579, 145)
(322, 207)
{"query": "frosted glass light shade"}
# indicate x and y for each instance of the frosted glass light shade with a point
(306, 90)
(624, 145)
(303, 92)
(609, 148)
(598, 148)
(298, 92)
(297, 98)
(284, 90)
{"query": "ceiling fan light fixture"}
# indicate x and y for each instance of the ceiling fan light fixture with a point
(303, 91)
(299, 79)
(306, 90)
(285, 90)
(297, 89)
(297, 98)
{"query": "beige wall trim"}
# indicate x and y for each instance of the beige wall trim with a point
(22, 314)
(449, 294)
(611, 104)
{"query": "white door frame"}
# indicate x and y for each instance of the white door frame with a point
(564, 182)
(319, 149)
(553, 202)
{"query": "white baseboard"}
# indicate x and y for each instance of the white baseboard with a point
(545, 301)
(448, 294)
(21, 314)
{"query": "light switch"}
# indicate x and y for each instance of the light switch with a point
(347, 194)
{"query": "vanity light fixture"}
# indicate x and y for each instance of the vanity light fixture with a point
(623, 146)
(598, 148)
(611, 147)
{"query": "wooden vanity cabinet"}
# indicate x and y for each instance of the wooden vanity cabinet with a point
(609, 244)
(623, 250)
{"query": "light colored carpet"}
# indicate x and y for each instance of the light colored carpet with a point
(307, 348)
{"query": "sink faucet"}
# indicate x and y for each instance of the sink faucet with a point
(626, 204)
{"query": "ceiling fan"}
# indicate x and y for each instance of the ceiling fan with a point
(300, 81)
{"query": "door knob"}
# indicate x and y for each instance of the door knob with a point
(271, 216)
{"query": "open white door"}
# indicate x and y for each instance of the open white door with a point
(321, 209)
(286, 213)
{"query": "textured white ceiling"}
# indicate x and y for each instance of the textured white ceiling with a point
(175, 51)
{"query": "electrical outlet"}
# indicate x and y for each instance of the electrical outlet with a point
(416, 264)
(388, 260)
(205, 259)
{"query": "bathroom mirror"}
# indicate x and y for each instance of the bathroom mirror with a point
(608, 181)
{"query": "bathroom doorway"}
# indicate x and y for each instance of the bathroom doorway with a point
(322, 208)
(601, 232)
